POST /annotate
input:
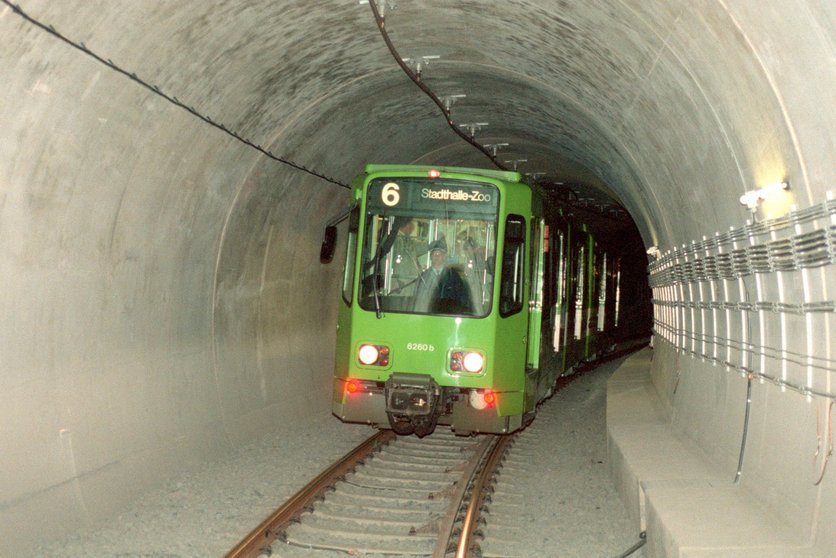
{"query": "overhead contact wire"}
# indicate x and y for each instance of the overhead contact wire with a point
(381, 25)
(171, 99)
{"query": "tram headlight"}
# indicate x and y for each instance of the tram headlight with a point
(368, 354)
(473, 362)
(467, 361)
(372, 355)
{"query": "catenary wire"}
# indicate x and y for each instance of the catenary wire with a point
(381, 25)
(171, 99)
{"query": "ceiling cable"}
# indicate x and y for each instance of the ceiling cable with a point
(444, 107)
(171, 99)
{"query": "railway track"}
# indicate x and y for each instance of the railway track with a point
(390, 496)
(411, 497)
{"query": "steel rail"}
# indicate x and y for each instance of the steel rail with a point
(477, 495)
(445, 529)
(254, 544)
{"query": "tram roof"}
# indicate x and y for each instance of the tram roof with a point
(507, 176)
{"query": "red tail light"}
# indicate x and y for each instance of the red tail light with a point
(456, 359)
(481, 400)
(352, 386)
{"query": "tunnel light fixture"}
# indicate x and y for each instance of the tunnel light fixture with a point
(515, 163)
(752, 198)
(473, 127)
(494, 147)
(382, 5)
(418, 62)
(654, 252)
(450, 99)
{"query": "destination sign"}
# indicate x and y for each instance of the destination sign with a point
(396, 196)
(456, 195)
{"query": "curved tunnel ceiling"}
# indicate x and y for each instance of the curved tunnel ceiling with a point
(640, 96)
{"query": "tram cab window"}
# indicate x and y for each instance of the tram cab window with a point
(351, 252)
(513, 254)
(426, 253)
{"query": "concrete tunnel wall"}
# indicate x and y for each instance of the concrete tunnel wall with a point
(162, 296)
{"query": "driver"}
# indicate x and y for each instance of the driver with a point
(440, 288)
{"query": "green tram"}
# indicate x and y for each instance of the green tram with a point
(464, 297)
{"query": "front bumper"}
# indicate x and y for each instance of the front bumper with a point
(368, 405)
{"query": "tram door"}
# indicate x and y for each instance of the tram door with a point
(535, 299)
(534, 385)
(512, 325)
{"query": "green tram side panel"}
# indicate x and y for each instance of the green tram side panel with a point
(343, 351)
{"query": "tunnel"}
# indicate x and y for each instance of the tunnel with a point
(168, 168)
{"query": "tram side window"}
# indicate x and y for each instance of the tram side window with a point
(602, 293)
(513, 254)
(580, 291)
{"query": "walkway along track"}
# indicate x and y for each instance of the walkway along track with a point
(391, 495)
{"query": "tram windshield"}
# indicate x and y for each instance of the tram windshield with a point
(429, 247)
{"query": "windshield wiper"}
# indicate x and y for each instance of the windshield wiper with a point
(375, 277)
(377, 310)
(384, 244)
